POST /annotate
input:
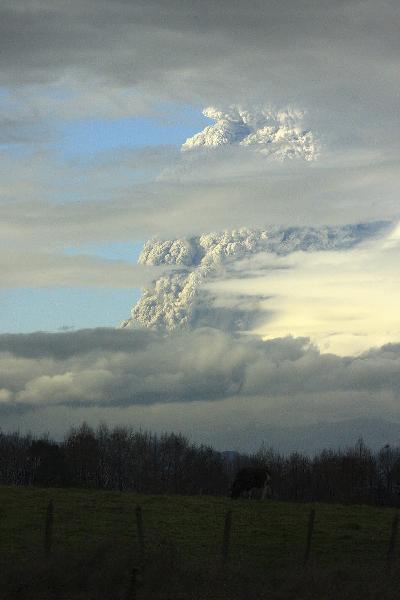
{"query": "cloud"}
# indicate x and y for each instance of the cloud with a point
(346, 300)
(214, 386)
(227, 191)
(223, 193)
(39, 345)
(180, 299)
(276, 134)
(209, 48)
(340, 61)
(40, 269)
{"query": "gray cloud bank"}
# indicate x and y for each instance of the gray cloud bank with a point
(208, 48)
(338, 60)
(203, 194)
(38, 270)
(114, 369)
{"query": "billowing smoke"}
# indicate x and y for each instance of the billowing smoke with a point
(276, 134)
(180, 299)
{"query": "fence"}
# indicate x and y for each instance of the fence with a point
(226, 540)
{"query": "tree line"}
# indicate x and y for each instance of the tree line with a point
(125, 459)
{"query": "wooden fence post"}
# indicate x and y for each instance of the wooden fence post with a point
(227, 536)
(132, 589)
(48, 530)
(392, 541)
(139, 524)
(310, 530)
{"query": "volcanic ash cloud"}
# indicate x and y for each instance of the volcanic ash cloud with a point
(277, 134)
(179, 298)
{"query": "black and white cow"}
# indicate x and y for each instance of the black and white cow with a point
(252, 481)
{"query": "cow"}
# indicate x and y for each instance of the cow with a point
(249, 481)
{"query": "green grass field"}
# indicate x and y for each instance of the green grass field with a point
(95, 546)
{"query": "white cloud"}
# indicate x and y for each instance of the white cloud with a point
(346, 301)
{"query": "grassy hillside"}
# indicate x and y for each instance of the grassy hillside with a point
(95, 546)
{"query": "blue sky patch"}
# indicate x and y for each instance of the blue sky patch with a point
(89, 136)
(52, 309)
(127, 251)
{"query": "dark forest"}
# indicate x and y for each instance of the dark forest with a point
(139, 461)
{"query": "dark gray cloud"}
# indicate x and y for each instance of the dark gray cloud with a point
(58, 346)
(332, 55)
(116, 369)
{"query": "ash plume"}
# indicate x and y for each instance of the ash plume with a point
(179, 298)
(277, 134)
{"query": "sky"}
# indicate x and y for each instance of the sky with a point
(199, 216)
